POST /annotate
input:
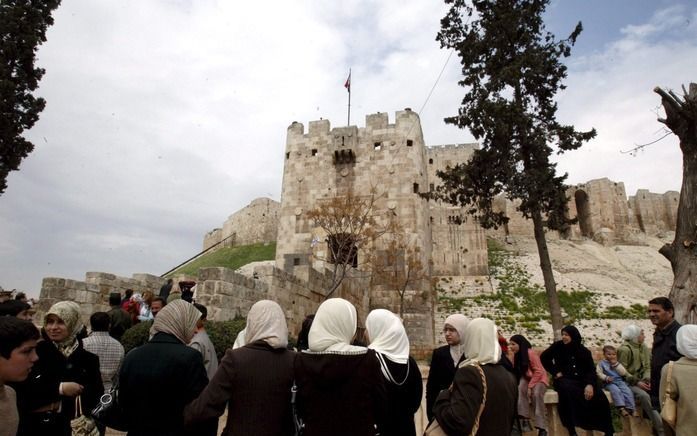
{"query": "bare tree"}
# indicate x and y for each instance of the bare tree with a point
(681, 119)
(349, 225)
(398, 266)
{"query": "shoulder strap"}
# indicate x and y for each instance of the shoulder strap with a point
(475, 427)
(386, 370)
(668, 377)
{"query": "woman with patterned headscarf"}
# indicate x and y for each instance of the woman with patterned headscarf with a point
(341, 390)
(64, 371)
(159, 378)
(253, 380)
(635, 356)
(445, 359)
(482, 399)
(581, 402)
(388, 338)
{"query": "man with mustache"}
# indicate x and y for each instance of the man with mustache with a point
(664, 349)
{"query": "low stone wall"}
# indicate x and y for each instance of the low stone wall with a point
(92, 294)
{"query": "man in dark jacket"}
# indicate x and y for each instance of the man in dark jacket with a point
(664, 349)
(120, 320)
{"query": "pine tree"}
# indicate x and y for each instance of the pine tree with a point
(23, 25)
(512, 70)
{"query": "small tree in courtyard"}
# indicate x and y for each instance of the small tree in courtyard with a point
(681, 118)
(349, 225)
(512, 71)
(398, 266)
(23, 27)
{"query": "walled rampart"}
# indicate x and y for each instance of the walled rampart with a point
(93, 293)
(257, 222)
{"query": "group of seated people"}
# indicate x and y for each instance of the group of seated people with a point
(477, 383)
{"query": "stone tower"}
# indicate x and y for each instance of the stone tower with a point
(388, 158)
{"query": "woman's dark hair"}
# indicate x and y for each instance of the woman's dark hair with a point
(303, 342)
(13, 307)
(521, 360)
(13, 333)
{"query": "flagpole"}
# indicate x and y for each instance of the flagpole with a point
(348, 123)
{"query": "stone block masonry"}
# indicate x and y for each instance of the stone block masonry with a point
(93, 293)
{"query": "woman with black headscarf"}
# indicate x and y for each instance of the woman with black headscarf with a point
(532, 382)
(581, 402)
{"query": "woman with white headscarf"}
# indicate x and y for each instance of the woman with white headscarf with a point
(159, 378)
(64, 371)
(254, 380)
(482, 399)
(445, 359)
(341, 390)
(635, 356)
(683, 381)
(388, 338)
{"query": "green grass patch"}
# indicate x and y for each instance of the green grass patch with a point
(230, 257)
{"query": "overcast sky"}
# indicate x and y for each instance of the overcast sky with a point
(165, 117)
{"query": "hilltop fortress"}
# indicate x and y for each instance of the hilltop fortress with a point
(392, 160)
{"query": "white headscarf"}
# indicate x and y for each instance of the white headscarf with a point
(177, 318)
(458, 322)
(333, 328)
(267, 322)
(239, 340)
(631, 332)
(481, 343)
(686, 339)
(387, 335)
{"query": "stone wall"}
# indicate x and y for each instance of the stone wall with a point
(93, 293)
(324, 163)
(255, 223)
(604, 213)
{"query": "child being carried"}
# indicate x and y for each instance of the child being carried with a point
(611, 373)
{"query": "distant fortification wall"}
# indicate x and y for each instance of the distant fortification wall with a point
(257, 222)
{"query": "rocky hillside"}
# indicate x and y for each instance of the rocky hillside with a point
(602, 288)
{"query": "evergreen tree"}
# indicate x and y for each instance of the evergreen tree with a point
(23, 25)
(511, 70)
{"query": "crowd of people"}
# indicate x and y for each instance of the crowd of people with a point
(334, 381)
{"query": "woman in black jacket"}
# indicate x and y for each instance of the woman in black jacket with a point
(581, 402)
(159, 378)
(445, 360)
(388, 338)
(341, 391)
(484, 394)
(64, 371)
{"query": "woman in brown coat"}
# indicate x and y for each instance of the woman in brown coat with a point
(254, 381)
(479, 380)
(683, 382)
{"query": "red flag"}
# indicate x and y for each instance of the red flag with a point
(347, 85)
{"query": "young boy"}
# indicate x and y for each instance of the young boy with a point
(610, 372)
(17, 356)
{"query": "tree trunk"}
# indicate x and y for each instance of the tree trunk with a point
(546, 267)
(682, 253)
(681, 118)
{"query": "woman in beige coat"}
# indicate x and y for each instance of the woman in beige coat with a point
(683, 382)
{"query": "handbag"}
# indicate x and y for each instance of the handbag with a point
(434, 428)
(108, 411)
(669, 407)
(82, 425)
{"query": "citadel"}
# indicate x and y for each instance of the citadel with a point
(392, 160)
